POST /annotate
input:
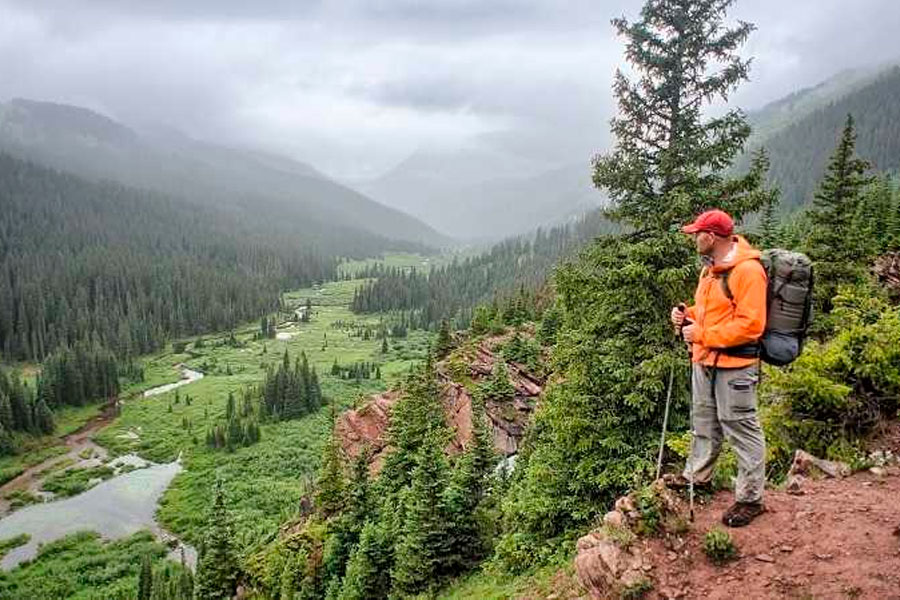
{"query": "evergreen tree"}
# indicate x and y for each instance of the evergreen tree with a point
(498, 387)
(874, 217)
(368, 569)
(7, 444)
(145, 579)
(422, 549)
(217, 568)
(43, 417)
(768, 225)
(229, 406)
(330, 488)
(444, 342)
(594, 435)
(667, 164)
(834, 243)
(6, 413)
(465, 493)
(414, 417)
(384, 345)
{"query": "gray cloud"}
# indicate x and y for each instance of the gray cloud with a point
(355, 86)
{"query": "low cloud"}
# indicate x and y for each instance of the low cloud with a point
(353, 87)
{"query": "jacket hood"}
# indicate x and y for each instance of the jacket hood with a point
(740, 252)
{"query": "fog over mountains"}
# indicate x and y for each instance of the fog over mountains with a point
(93, 146)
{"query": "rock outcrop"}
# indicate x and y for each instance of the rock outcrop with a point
(367, 426)
(611, 561)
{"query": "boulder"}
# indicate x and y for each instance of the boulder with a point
(805, 463)
(607, 569)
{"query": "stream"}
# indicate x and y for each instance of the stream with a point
(115, 508)
(187, 376)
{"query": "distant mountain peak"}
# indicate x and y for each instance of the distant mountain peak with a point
(52, 119)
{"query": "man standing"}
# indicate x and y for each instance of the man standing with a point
(723, 328)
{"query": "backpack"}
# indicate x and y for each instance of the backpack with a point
(788, 307)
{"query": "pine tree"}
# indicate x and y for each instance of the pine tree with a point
(415, 416)
(384, 345)
(368, 569)
(330, 488)
(465, 493)
(834, 243)
(43, 417)
(7, 444)
(145, 579)
(217, 568)
(444, 342)
(422, 551)
(6, 413)
(873, 219)
(499, 387)
(594, 433)
(667, 164)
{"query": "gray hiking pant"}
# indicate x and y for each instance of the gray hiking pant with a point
(724, 403)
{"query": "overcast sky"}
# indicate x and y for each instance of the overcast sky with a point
(353, 86)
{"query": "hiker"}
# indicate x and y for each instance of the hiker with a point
(723, 329)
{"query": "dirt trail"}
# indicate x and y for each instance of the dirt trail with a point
(77, 441)
(837, 540)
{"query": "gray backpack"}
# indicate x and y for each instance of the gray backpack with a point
(789, 307)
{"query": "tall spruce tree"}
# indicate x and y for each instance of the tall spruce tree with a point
(413, 418)
(769, 229)
(331, 486)
(368, 569)
(464, 495)
(594, 432)
(217, 568)
(444, 342)
(43, 417)
(835, 242)
(145, 579)
(668, 164)
(422, 549)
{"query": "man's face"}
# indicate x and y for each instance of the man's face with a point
(705, 242)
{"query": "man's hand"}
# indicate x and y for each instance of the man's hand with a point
(677, 317)
(687, 333)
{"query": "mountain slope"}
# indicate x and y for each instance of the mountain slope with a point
(90, 145)
(801, 131)
(97, 261)
(482, 192)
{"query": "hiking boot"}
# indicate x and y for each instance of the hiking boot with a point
(741, 514)
(678, 481)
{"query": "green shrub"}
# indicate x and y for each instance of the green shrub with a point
(74, 481)
(524, 351)
(14, 542)
(637, 590)
(838, 390)
(621, 535)
(650, 507)
(718, 546)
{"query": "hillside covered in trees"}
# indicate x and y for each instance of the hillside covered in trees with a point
(519, 266)
(267, 190)
(129, 269)
(800, 141)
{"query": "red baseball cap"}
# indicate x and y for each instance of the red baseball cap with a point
(713, 221)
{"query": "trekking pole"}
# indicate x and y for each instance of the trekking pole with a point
(690, 459)
(662, 437)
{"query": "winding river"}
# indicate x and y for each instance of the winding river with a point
(114, 508)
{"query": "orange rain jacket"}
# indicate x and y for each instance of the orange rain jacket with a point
(723, 322)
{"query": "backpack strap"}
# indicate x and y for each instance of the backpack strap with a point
(726, 289)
